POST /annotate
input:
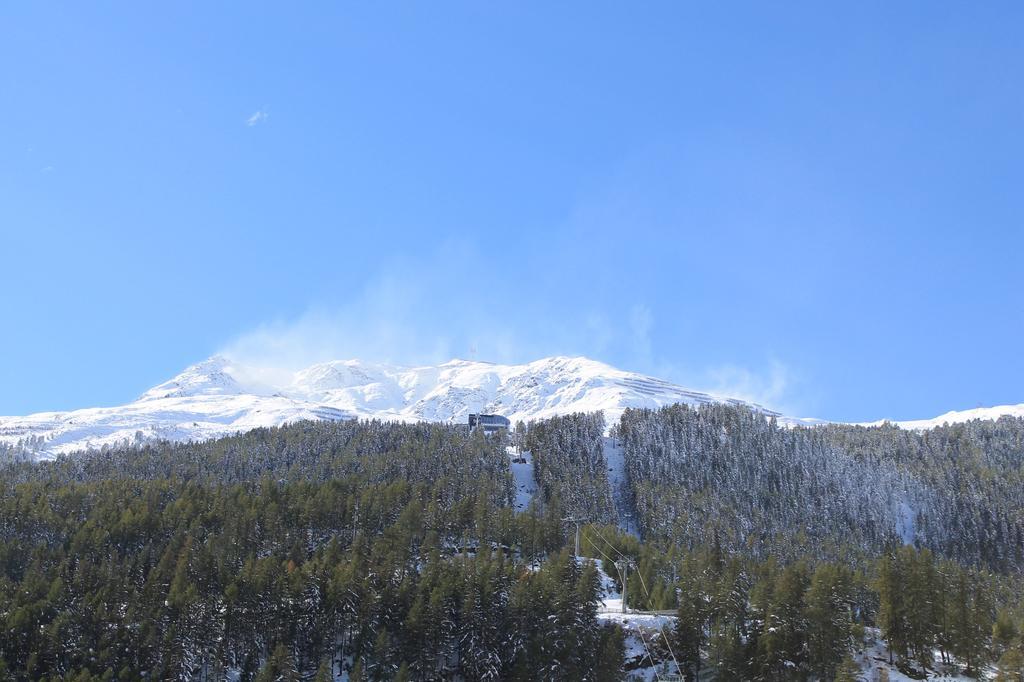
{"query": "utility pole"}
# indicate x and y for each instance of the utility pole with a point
(626, 573)
(572, 519)
(624, 565)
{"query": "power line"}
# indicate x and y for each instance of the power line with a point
(654, 666)
(614, 548)
(646, 592)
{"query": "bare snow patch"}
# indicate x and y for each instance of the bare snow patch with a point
(616, 459)
(521, 465)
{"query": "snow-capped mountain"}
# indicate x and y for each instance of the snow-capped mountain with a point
(958, 417)
(218, 397)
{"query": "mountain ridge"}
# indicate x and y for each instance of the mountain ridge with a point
(219, 396)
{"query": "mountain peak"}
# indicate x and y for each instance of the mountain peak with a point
(212, 376)
(219, 396)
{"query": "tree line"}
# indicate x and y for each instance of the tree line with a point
(392, 551)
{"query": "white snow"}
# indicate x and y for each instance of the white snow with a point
(906, 526)
(525, 481)
(218, 396)
(956, 417)
(638, 628)
(875, 657)
(616, 459)
(632, 621)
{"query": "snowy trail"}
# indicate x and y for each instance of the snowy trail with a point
(641, 629)
(906, 527)
(615, 457)
(522, 472)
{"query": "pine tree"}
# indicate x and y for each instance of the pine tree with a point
(1010, 667)
(891, 607)
(357, 674)
(323, 673)
(828, 620)
(610, 661)
(279, 667)
(729, 641)
(691, 627)
(404, 673)
(782, 644)
(1004, 632)
(921, 587)
(847, 671)
(971, 620)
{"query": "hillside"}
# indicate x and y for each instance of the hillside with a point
(218, 397)
(376, 551)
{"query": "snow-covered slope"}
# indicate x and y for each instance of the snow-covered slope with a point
(218, 396)
(957, 417)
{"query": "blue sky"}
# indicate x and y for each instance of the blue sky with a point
(819, 208)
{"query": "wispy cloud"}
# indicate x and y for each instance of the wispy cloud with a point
(771, 386)
(259, 117)
(433, 308)
(447, 304)
(641, 322)
(413, 311)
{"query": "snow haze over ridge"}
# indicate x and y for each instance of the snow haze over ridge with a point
(219, 396)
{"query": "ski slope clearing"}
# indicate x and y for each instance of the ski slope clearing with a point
(521, 465)
(616, 459)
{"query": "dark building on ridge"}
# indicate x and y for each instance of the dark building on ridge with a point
(490, 423)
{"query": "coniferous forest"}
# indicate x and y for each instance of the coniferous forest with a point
(380, 551)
